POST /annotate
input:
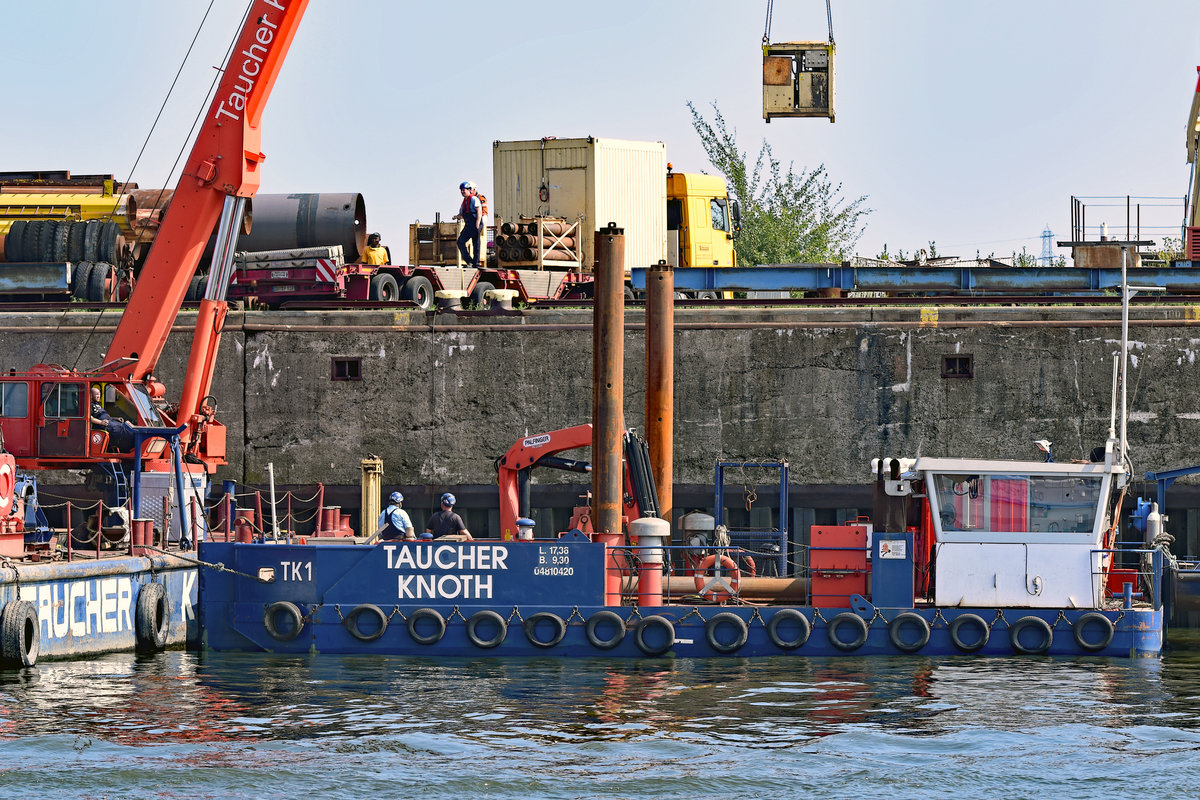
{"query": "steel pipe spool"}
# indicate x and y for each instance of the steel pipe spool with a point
(288, 221)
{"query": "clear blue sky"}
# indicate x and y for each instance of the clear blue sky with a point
(967, 123)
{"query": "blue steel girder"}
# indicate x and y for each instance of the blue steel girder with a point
(967, 280)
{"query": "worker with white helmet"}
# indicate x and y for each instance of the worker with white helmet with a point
(446, 522)
(473, 213)
(394, 521)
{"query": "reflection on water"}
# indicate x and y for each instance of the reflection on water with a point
(237, 724)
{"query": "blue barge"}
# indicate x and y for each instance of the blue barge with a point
(1005, 557)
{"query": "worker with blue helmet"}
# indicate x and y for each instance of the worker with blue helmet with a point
(473, 213)
(446, 523)
(394, 522)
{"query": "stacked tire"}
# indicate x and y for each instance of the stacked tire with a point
(92, 247)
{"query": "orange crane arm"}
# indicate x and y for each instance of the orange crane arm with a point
(224, 161)
(522, 455)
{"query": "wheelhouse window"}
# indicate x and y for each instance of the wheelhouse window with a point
(14, 400)
(1017, 503)
(63, 401)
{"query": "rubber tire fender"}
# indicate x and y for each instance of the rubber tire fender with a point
(1078, 626)
(480, 617)
(419, 290)
(530, 626)
(20, 634)
(478, 295)
(601, 618)
(1014, 635)
(788, 615)
(351, 622)
(956, 639)
(439, 623)
(14, 243)
(152, 617)
(292, 611)
(726, 618)
(384, 287)
(654, 621)
(852, 619)
(898, 622)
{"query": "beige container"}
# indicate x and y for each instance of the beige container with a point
(600, 180)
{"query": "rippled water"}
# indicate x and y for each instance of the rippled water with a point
(197, 726)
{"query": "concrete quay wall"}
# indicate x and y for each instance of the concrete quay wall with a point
(440, 396)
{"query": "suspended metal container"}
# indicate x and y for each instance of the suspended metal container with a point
(798, 80)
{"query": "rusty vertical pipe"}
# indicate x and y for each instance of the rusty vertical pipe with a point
(660, 382)
(608, 392)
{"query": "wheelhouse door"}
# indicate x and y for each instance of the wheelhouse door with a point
(63, 429)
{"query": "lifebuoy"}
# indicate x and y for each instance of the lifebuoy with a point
(606, 619)
(293, 621)
(1038, 624)
(650, 624)
(488, 616)
(854, 621)
(353, 624)
(8, 483)
(420, 615)
(787, 618)
(1089, 620)
(20, 634)
(965, 644)
(726, 619)
(152, 617)
(557, 624)
(909, 619)
(718, 587)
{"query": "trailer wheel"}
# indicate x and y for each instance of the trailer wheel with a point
(58, 247)
(479, 297)
(419, 290)
(97, 290)
(14, 244)
(75, 242)
(384, 287)
(79, 279)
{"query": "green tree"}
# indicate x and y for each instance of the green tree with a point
(787, 217)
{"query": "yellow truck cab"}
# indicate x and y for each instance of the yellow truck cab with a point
(701, 221)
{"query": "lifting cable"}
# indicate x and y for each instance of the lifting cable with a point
(771, 8)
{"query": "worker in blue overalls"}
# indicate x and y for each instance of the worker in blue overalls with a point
(473, 213)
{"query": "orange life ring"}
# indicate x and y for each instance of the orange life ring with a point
(8, 480)
(718, 587)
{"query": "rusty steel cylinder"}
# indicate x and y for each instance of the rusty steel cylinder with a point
(608, 391)
(660, 381)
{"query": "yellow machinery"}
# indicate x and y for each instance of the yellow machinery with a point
(1192, 215)
(701, 221)
(797, 76)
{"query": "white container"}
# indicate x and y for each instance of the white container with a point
(596, 180)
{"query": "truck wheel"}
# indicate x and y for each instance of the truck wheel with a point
(419, 290)
(110, 243)
(45, 245)
(385, 288)
(97, 290)
(58, 248)
(479, 295)
(91, 239)
(628, 292)
(195, 292)
(79, 279)
(75, 242)
(15, 242)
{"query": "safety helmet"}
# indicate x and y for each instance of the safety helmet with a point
(371, 236)
(467, 185)
(448, 499)
(396, 497)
